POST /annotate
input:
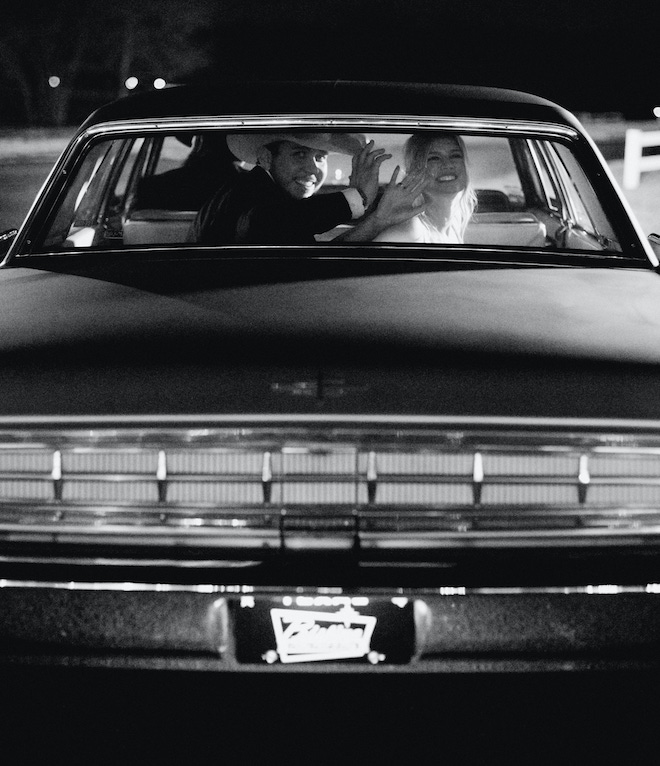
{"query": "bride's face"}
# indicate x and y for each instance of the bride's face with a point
(445, 167)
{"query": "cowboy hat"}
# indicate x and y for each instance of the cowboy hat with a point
(245, 146)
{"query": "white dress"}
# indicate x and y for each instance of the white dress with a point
(419, 231)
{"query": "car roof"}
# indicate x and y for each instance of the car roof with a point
(337, 97)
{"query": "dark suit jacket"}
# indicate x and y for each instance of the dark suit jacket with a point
(252, 209)
(185, 188)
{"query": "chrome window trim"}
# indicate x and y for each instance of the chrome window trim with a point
(532, 128)
(476, 125)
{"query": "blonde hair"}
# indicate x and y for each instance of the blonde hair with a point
(415, 154)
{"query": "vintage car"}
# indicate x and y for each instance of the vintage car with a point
(340, 457)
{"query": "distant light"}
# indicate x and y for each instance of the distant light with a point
(656, 111)
(159, 83)
(54, 81)
(131, 83)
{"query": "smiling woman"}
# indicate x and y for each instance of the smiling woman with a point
(440, 163)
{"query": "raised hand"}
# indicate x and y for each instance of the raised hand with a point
(365, 172)
(401, 201)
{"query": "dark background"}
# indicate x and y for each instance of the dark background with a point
(589, 55)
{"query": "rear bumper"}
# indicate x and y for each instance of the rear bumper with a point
(194, 627)
(138, 545)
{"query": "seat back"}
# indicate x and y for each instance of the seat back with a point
(518, 229)
(158, 227)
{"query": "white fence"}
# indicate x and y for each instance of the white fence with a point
(634, 161)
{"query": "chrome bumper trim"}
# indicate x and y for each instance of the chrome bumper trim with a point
(248, 487)
(238, 590)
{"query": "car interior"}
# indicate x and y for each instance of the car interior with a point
(145, 190)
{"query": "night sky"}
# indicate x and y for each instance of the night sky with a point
(589, 55)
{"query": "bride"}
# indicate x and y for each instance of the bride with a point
(449, 200)
(433, 203)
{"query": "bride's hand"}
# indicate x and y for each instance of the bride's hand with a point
(398, 204)
(401, 201)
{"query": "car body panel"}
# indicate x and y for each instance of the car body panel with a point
(227, 349)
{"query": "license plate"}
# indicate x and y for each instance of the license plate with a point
(300, 629)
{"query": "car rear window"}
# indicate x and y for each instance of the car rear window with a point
(148, 190)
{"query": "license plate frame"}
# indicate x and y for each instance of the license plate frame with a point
(299, 629)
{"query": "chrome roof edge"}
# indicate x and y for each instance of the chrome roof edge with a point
(369, 121)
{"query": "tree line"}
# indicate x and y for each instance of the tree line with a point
(65, 55)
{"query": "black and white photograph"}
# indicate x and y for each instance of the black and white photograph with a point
(329, 381)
